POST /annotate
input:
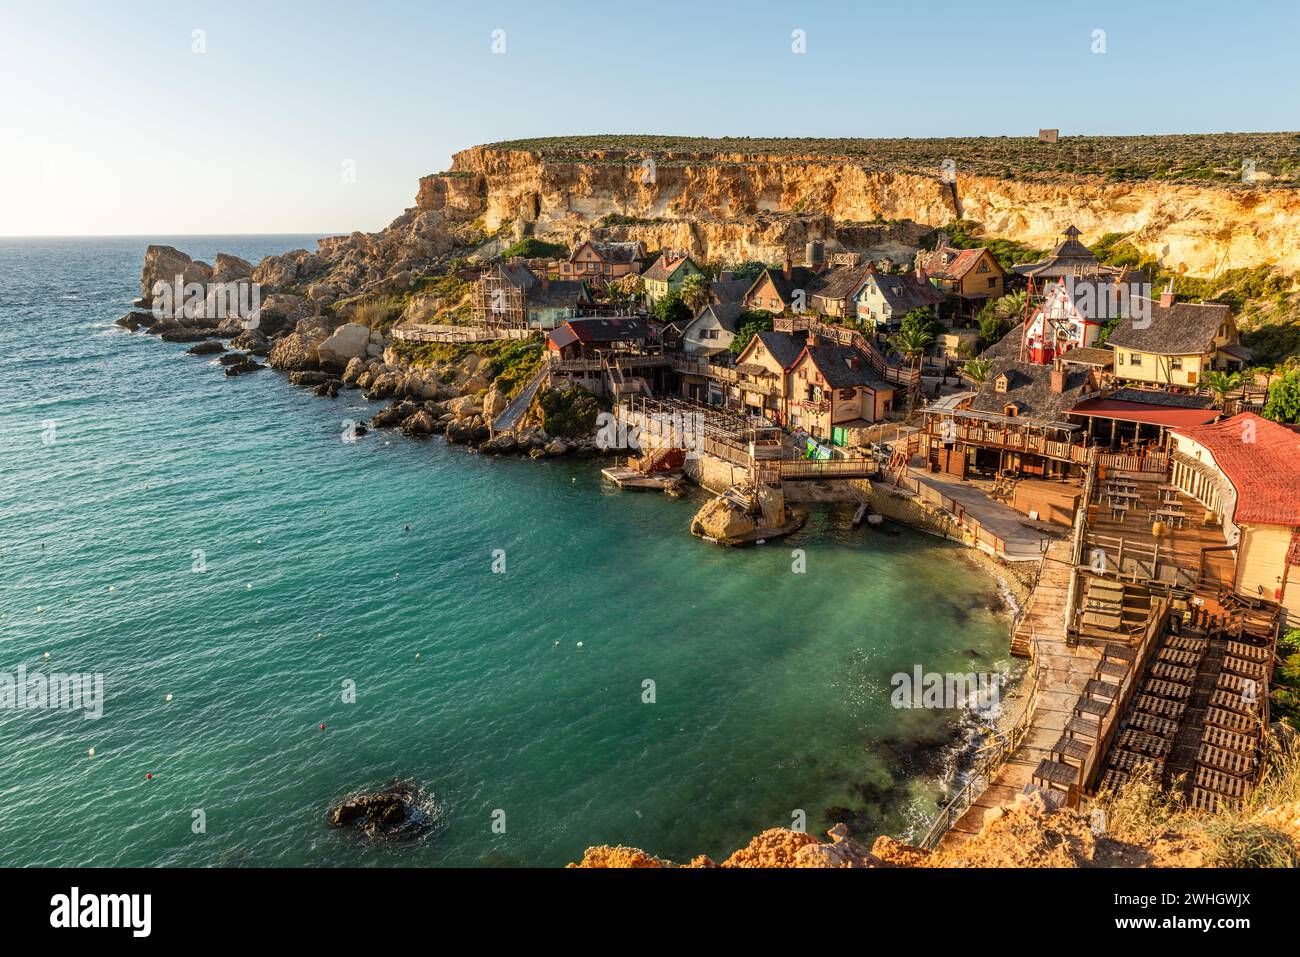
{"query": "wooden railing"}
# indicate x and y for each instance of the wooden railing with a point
(898, 375)
(988, 762)
(724, 374)
(827, 468)
(949, 430)
(447, 333)
(1157, 462)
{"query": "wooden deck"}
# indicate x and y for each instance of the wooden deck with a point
(1129, 549)
(1062, 674)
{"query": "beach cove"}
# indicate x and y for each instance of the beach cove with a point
(519, 692)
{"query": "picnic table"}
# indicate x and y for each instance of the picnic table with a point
(1168, 493)
(1174, 516)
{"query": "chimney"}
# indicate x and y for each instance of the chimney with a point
(1167, 297)
(725, 275)
(785, 267)
(1058, 378)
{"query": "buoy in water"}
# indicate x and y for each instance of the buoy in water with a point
(46, 656)
(90, 753)
(248, 587)
(148, 777)
(322, 727)
(579, 644)
(168, 699)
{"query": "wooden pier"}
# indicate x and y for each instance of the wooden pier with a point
(1061, 674)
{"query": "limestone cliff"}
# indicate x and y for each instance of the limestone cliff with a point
(723, 204)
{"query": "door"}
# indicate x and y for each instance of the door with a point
(839, 436)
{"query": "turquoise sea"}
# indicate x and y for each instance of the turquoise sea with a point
(521, 693)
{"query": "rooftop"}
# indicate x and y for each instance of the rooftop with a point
(1261, 459)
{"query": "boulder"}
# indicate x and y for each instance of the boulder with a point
(383, 386)
(228, 268)
(282, 311)
(501, 445)
(465, 405)
(294, 353)
(248, 364)
(494, 403)
(721, 519)
(394, 414)
(164, 264)
(233, 358)
(422, 423)
(252, 340)
(347, 344)
(308, 377)
(355, 369)
(137, 320)
(181, 334)
(209, 347)
(556, 447)
(395, 811)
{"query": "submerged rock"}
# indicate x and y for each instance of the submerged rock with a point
(396, 811)
(247, 364)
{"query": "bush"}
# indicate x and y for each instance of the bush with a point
(748, 324)
(570, 413)
(532, 248)
(1284, 399)
(671, 308)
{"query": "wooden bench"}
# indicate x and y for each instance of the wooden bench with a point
(1203, 800)
(1111, 669)
(1053, 774)
(1161, 707)
(1256, 671)
(1229, 740)
(1229, 761)
(1174, 656)
(1086, 706)
(1150, 723)
(1173, 672)
(1112, 780)
(1249, 652)
(1168, 689)
(1229, 720)
(1228, 785)
(1188, 643)
(1103, 690)
(1123, 760)
(1084, 726)
(1132, 739)
(1068, 747)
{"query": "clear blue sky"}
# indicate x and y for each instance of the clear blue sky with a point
(110, 123)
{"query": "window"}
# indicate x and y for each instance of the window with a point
(982, 267)
(1135, 358)
(993, 283)
(1176, 363)
(1119, 358)
(1000, 383)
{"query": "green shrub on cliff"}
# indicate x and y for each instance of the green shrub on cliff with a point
(570, 413)
(515, 364)
(532, 248)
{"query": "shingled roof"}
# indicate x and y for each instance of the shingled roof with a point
(906, 292)
(843, 282)
(558, 293)
(727, 313)
(784, 347)
(1068, 258)
(1262, 461)
(1181, 329)
(950, 263)
(664, 268)
(1029, 389)
(844, 368)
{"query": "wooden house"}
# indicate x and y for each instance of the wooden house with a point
(968, 277)
(1245, 471)
(834, 394)
(1170, 343)
(592, 260)
(667, 274)
(882, 300)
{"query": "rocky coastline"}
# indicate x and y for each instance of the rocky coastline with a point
(319, 347)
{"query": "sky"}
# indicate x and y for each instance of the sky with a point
(177, 118)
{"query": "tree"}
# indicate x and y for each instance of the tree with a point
(671, 309)
(1220, 384)
(1011, 305)
(695, 292)
(748, 269)
(911, 342)
(1284, 399)
(992, 329)
(977, 371)
(748, 324)
(922, 319)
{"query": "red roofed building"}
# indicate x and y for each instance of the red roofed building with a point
(972, 276)
(1246, 469)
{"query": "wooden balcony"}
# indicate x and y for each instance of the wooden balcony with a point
(1028, 439)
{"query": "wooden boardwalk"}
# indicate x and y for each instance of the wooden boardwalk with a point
(1062, 672)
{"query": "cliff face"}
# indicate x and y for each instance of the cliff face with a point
(739, 206)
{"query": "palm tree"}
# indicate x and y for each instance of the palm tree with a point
(1010, 305)
(1220, 384)
(694, 291)
(976, 370)
(911, 342)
